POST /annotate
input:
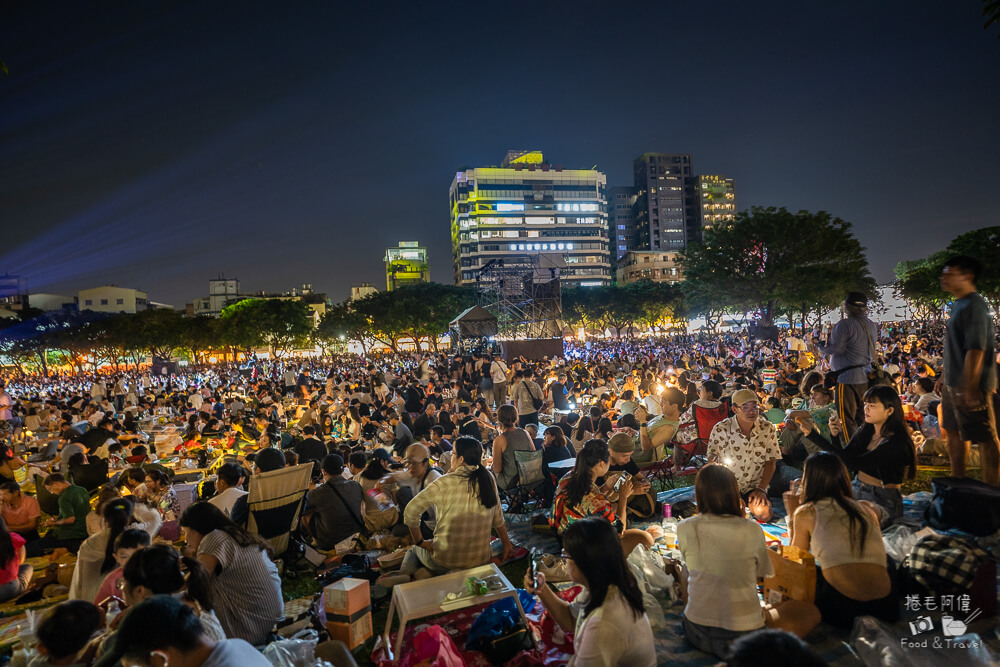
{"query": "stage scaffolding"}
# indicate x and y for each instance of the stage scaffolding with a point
(523, 292)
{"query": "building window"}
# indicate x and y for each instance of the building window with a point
(104, 302)
(120, 301)
(88, 302)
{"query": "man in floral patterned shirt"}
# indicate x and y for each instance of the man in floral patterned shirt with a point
(747, 444)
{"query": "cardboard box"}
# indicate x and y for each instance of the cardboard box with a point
(353, 630)
(346, 597)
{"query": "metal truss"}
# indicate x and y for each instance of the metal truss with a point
(523, 292)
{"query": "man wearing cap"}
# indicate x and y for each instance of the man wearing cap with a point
(409, 482)
(747, 444)
(851, 349)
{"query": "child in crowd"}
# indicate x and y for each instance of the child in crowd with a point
(64, 632)
(126, 544)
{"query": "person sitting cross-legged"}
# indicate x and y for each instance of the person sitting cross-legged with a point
(468, 510)
(69, 529)
(609, 619)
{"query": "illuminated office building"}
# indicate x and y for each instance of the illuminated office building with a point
(716, 199)
(406, 264)
(527, 206)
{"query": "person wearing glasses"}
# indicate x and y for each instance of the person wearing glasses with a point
(608, 619)
(747, 444)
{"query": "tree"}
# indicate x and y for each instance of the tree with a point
(984, 245)
(387, 321)
(656, 302)
(991, 10)
(278, 324)
(769, 260)
(342, 322)
(432, 307)
(918, 282)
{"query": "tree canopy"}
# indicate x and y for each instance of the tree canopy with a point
(772, 261)
(918, 280)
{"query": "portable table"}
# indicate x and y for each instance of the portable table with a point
(427, 598)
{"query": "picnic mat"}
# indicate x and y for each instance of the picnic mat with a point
(830, 643)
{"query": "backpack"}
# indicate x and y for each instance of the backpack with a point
(966, 504)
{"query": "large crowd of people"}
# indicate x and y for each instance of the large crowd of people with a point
(824, 425)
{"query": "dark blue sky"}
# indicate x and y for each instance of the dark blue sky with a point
(156, 145)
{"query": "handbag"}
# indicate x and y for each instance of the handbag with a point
(794, 575)
(536, 403)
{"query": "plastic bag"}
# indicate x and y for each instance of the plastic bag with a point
(297, 651)
(879, 645)
(649, 570)
(900, 538)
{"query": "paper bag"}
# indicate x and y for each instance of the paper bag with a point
(794, 575)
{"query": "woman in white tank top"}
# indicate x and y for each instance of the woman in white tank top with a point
(843, 534)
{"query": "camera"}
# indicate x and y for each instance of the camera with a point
(921, 624)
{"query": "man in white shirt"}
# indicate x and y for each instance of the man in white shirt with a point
(747, 444)
(499, 373)
(227, 488)
(6, 403)
(195, 400)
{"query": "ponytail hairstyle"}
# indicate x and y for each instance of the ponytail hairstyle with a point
(581, 478)
(117, 514)
(481, 481)
(158, 569)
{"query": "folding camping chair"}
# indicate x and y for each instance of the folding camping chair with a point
(275, 502)
(529, 481)
(687, 453)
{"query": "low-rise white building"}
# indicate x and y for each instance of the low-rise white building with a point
(112, 299)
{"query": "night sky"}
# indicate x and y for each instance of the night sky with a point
(156, 145)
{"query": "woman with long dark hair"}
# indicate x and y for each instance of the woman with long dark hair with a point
(247, 587)
(611, 628)
(15, 574)
(824, 518)
(467, 507)
(97, 553)
(881, 452)
(577, 496)
(554, 448)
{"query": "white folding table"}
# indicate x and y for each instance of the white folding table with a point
(427, 598)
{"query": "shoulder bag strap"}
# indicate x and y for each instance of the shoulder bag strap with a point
(350, 510)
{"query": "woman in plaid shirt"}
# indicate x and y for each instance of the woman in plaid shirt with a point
(468, 510)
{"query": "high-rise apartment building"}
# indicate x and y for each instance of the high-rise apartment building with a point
(527, 206)
(406, 264)
(716, 199)
(664, 215)
(621, 220)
